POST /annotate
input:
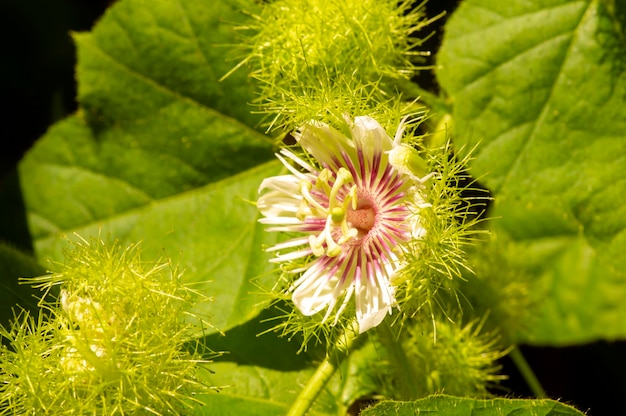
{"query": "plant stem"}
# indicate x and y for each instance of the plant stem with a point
(324, 372)
(314, 386)
(527, 373)
(407, 380)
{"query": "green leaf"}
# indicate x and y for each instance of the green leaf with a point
(256, 391)
(211, 231)
(145, 56)
(448, 405)
(14, 265)
(266, 372)
(155, 153)
(542, 87)
(261, 374)
(359, 377)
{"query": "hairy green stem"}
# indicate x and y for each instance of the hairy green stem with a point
(407, 379)
(324, 372)
(527, 373)
(314, 386)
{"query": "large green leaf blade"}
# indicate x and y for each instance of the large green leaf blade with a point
(541, 85)
(265, 373)
(14, 265)
(447, 405)
(175, 50)
(255, 391)
(74, 176)
(211, 232)
(155, 123)
(160, 151)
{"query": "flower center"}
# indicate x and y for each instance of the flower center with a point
(336, 230)
(363, 219)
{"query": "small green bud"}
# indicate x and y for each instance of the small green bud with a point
(407, 161)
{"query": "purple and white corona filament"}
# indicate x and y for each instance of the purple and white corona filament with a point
(351, 213)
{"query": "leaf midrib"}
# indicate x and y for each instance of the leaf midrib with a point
(90, 40)
(544, 110)
(136, 211)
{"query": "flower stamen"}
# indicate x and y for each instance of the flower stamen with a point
(324, 243)
(332, 249)
(343, 177)
(316, 208)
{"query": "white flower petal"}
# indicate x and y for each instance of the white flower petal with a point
(371, 320)
(296, 242)
(287, 184)
(370, 136)
(312, 296)
(297, 160)
(324, 143)
(291, 169)
(296, 228)
(315, 290)
(346, 299)
(278, 203)
(373, 301)
(292, 255)
(280, 220)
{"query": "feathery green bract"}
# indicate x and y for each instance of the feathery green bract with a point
(116, 341)
(318, 59)
(453, 358)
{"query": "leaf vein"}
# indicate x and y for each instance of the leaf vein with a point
(543, 113)
(134, 211)
(498, 65)
(167, 90)
(194, 36)
(100, 174)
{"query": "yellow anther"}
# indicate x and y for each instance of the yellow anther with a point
(348, 233)
(322, 180)
(332, 248)
(333, 251)
(352, 197)
(343, 176)
(305, 191)
(316, 246)
(303, 210)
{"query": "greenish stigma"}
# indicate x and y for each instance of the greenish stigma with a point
(337, 214)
